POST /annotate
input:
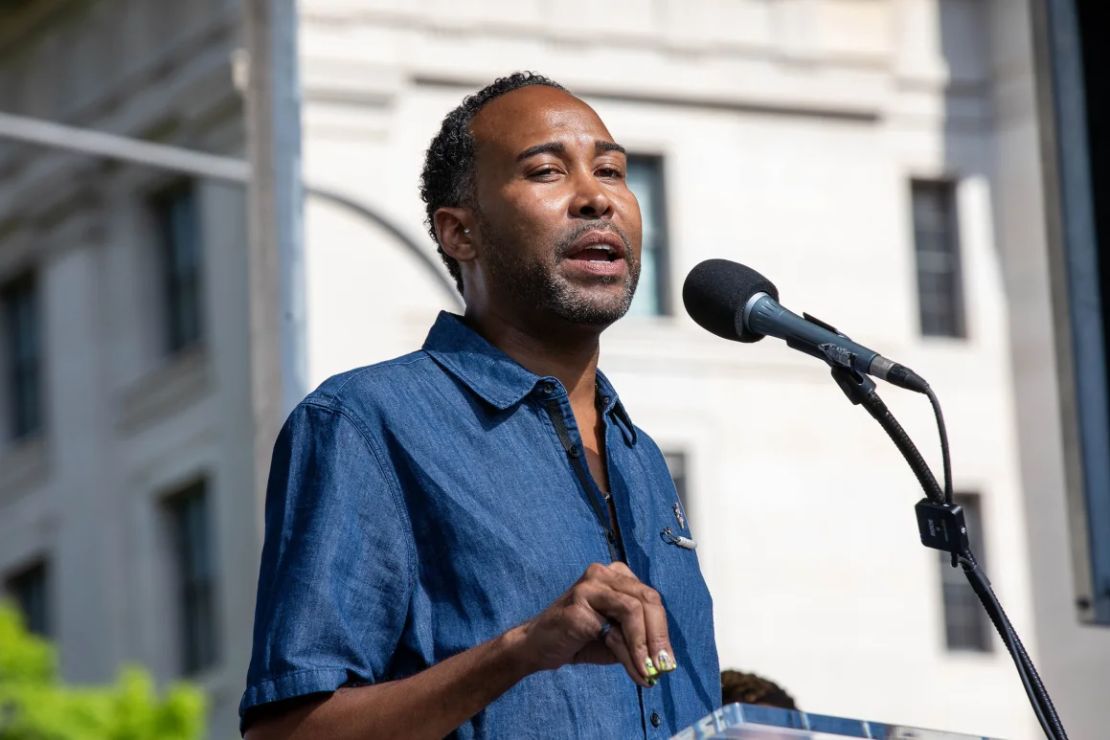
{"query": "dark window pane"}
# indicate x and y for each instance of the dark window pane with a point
(28, 589)
(189, 520)
(179, 235)
(936, 246)
(22, 351)
(966, 625)
(676, 463)
(645, 180)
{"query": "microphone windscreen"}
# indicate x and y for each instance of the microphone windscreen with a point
(715, 293)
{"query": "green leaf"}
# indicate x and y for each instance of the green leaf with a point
(35, 706)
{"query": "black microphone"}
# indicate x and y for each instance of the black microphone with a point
(736, 302)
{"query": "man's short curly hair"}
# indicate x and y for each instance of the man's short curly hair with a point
(448, 176)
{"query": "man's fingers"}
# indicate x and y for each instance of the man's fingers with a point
(656, 639)
(611, 648)
(620, 568)
(571, 628)
(639, 611)
(617, 644)
(626, 612)
(655, 629)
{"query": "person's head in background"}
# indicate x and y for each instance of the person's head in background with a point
(748, 688)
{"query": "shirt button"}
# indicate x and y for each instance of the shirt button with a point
(548, 388)
(575, 451)
(610, 536)
(656, 720)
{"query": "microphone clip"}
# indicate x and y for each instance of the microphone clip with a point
(823, 324)
(942, 527)
(835, 356)
(831, 353)
(855, 385)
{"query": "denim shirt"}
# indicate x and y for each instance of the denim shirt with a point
(419, 507)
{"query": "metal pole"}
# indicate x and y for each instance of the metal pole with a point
(200, 164)
(276, 200)
(112, 146)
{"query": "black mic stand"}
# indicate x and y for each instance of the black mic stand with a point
(941, 526)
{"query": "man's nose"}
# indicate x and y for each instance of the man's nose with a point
(590, 199)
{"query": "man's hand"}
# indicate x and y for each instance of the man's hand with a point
(608, 616)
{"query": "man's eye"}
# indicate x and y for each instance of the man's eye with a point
(611, 172)
(545, 172)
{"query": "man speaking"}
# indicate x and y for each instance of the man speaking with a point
(475, 538)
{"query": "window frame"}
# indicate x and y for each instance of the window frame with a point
(23, 370)
(38, 621)
(195, 594)
(956, 592)
(956, 302)
(663, 249)
(182, 327)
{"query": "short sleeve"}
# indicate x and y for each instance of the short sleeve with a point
(335, 579)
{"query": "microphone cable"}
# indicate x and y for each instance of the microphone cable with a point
(946, 456)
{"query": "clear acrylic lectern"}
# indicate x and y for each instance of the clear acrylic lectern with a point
(750, 722)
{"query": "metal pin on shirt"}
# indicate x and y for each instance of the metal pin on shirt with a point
(676, 539)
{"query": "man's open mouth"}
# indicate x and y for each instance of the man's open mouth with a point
(597, 245)
(597, 253)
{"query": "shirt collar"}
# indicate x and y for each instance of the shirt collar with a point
(497, 378)
(611, 404)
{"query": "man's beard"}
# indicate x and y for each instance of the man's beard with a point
(539, 282)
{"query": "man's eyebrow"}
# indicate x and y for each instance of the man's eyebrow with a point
(556, 147)
(550, 147)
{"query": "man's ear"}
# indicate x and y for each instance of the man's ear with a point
(454, 230)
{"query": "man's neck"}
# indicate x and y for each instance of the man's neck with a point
(568, 353)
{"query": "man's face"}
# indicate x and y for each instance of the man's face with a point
(558, 230)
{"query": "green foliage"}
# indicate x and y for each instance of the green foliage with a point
(24, 659)
(35, 706)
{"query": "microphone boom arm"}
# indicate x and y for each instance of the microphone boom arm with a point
(941, 527)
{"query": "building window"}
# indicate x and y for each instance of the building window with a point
(936, 245)
(966, 625)
(23, 352)
(28, 589)
(645, 180)
(175, 212)
(676, 463)
(195, 576)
